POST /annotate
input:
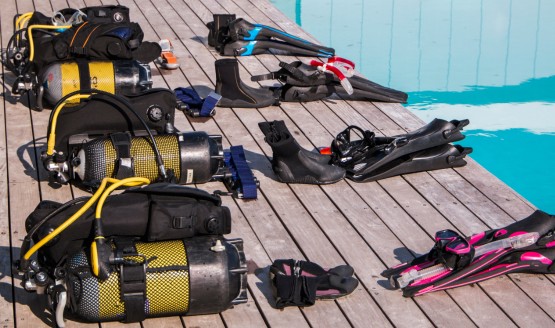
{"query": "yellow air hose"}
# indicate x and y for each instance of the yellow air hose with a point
(129, 182)
(57, 110)
(22, 20)
(30, 36)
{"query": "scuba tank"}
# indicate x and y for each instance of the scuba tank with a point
(199, 275)
(84, 144)
(192, 157)
(116, 77)
(155, 250)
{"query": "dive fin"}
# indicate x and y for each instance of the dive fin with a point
(258, 47)
(304, 82)
(237, 37)
(371, 156)
(292, 93)
(435, 158)
(240, 29)
(528, 247)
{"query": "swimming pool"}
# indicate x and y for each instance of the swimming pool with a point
(491, 61)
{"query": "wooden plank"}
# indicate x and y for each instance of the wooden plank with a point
(7, 309)
(273, 232)
(271, 225)
(272, 202)
(23, 190)
(248, 312)
(6, 306)
(225, 314)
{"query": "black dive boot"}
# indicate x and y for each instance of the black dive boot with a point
(292, 165)
(234, 92)
(276, 127)
(218, 30)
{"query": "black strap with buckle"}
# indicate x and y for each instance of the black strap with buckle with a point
(132, 281)
(124, 163)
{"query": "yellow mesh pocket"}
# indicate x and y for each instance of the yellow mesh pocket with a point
(167, 292)
(143, 156)
(167, 253)
(110, 304)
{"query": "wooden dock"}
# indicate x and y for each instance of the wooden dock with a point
(370, 226)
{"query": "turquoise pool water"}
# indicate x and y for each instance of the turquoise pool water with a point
(491, 61)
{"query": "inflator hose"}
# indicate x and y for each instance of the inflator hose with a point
(81, 95)
(100, 250)
(76, 215)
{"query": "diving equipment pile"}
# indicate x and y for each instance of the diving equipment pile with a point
(368, 157)
(301, 283)
(233, 36)
(78, 49)
(113, 136)
(526, 246)
(150, 251)
(292, 163)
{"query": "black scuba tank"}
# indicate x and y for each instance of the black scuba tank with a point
(193, 157)
(200, 275)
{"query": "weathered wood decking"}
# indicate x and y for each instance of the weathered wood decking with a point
(370, 226)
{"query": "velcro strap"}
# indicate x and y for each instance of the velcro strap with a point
(294, 290)
(124, 163)
(295, 72)
(263, 77)
(241, 174)
(195, 105)
(209, 104)
(84, 74)
(133, 291)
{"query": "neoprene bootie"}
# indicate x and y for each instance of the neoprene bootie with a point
(234, 92)
(292, 163)
(277, 127)
(301, 283)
